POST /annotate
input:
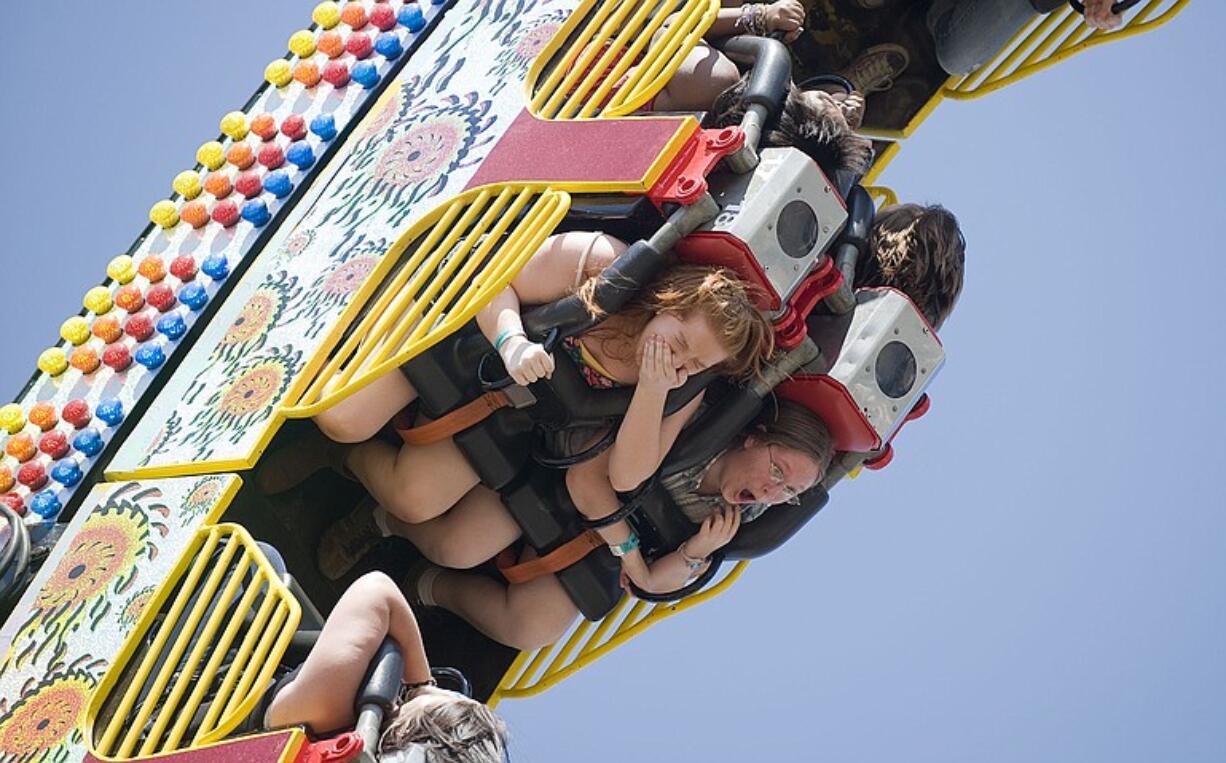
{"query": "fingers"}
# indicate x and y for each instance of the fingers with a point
(664, 359)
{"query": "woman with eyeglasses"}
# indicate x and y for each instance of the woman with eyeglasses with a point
(785, 452)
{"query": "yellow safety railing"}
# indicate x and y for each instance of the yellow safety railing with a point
(610, 58)
(215, 630)
(1045, 41)
(1050, 39)
(458, 258)
(533, 672)
(883, 196)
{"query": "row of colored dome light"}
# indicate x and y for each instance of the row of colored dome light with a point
(57, 461)
(243, 158)
(280, 73)
(144, 306)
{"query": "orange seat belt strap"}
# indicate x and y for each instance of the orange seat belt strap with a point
(454, 421)
(559, 559)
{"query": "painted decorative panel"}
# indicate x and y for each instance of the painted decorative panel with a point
(85, 600)
(420, 145)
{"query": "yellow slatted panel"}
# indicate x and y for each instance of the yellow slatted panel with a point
(533, 672)
(1046, 41)
(1050, 39)
(456, 260)
(611, 57)
(171, 662)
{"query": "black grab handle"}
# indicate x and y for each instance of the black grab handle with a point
(381, 686)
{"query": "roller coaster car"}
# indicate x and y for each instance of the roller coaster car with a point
(861, 361)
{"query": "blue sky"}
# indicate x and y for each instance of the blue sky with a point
(1037, 576)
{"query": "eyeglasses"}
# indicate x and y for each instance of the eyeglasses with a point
(779, 479)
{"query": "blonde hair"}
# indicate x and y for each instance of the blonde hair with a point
(716, 294)
(920, 251)
(459, 731)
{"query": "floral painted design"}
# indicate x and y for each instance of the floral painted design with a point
(101, 562)
(45, 721)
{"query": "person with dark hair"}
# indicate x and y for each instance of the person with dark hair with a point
(811, 121)
(920, 251)
(319, 694)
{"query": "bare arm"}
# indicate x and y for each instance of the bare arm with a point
(550, 274)
(645, 435)
(323, 694)
(670, 572)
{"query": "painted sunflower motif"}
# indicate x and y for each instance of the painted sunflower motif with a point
(100, 565)
(249, 400)
(346, 279)
(299, 241)
(427, 148)
(518, 45)
(135, 606)
(203, 496)
(162, 440)
(45, 722)
(259, 315)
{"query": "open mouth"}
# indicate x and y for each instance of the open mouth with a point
(745, 496)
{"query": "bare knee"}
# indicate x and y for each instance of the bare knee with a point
(589, 488)
(340, 427)
(454, 550)
(540, 626)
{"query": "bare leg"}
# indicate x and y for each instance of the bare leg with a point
(524, 616)
(414, 483)
(471, 532)
(703, 75)
(362, 414)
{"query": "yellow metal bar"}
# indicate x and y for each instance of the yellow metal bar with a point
(1051, 51)
(663, 59)
(569, 647)
(886, 195)
(472, 292)
(523, 250)
(409, 302)
(608, 45)
(540, 221)
(209, 674)
(542, 654)
(468, 257)
(520, 246)
(176, 652)
(242, 699)
(522, 686)
(547, 101)
(513, 672)
(269, 656)
(642, 38)
(204, 641)
(116, 724)
(381, 309)
(236, 667)
(606, 624)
